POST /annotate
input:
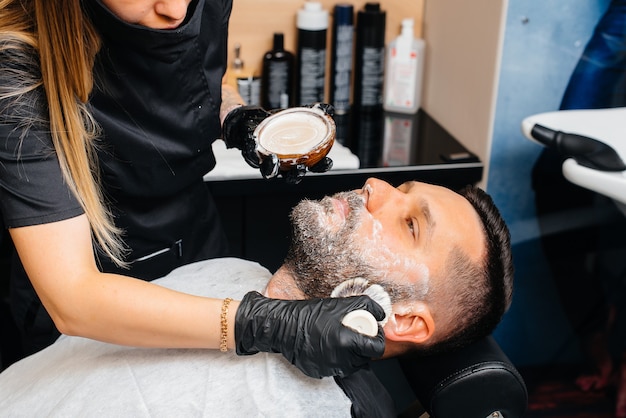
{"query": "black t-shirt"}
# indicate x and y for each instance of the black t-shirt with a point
(32, 189)
(156, 97)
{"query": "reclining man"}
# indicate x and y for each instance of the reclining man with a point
(443, 257)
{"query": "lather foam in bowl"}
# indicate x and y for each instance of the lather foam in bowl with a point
(298, 135)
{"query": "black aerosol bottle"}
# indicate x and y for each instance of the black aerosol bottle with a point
(277, 78)
(312, 24)
(369, 60)
(341, 58)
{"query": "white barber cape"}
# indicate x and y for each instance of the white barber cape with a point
(81, 377)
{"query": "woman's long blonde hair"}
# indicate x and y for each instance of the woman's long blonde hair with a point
(67, 44)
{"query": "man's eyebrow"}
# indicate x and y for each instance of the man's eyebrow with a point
(424, 208)
(409, 185)
(430, 222)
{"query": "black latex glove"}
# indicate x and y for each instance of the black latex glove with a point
(238, 132)
(308, 333)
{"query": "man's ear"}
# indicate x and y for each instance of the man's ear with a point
(415, 325)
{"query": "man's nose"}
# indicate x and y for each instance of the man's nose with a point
(380, 193)
(175, 10)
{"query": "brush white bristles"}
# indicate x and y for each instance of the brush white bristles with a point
(361, 286)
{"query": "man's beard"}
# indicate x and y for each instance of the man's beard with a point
(321, 255)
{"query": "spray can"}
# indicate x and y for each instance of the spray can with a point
(277, 78)
(341, 58)
(369, 62)
(404, 68)
(312, 24)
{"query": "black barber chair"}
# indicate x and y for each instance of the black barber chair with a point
(478, 381)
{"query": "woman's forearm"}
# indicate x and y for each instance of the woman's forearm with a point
(127, 311)
(59, 261)
(230, 100)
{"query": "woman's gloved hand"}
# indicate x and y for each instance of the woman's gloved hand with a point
(308, 333)
(238, 132)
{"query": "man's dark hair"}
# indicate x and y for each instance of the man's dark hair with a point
(481, 293)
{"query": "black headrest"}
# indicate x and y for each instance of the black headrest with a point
(473, 382)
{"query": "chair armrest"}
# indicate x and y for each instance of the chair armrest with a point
(473, 382)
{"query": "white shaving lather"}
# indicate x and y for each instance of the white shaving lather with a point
(361, 320)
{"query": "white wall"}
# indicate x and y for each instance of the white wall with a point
(464, 44)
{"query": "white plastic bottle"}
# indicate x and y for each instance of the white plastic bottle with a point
(312, 24)
(404, 68)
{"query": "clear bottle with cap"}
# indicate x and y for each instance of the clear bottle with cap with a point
(247, 84)
(404, 68)
(236, 68)
(312, 25)
(277, 77)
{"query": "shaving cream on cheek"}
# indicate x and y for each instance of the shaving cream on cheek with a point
(410, 272)
(421, 271)
(373, 247)
(402, 267)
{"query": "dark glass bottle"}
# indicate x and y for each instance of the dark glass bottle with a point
(277, 78)
(369, 65)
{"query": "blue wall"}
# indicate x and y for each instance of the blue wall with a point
(543, 41)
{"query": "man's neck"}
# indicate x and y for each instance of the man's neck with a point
(283, 286)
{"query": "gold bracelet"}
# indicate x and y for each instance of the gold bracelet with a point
(224, 326)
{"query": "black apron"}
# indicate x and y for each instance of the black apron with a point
(157, 97)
